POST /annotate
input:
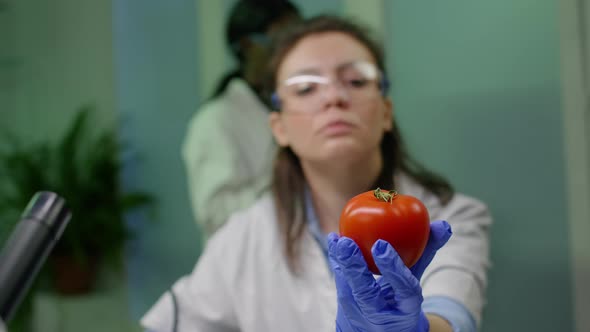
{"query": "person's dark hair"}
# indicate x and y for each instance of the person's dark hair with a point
(288, 184)
(249, 17)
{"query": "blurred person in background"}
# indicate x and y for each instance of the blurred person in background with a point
(228, 147)
(279, 264)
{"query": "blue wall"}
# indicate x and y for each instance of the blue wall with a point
(477, 93)
(157, 81)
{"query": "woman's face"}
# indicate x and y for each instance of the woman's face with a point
(341, 117)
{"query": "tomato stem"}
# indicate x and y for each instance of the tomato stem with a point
(384, 195)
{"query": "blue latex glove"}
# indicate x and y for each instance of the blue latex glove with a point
(390, 303)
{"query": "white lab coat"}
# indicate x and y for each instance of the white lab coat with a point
(227, 152)
(242, 282)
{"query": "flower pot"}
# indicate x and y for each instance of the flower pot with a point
(72, 276)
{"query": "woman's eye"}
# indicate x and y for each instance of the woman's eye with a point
(304, 89)
(357, 82)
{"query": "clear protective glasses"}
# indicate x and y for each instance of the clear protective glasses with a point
(307, 90)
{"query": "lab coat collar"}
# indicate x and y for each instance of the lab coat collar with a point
(313, 224)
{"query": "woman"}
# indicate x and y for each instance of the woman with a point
(268, 270)
(228, 146)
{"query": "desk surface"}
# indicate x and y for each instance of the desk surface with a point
(103, 310)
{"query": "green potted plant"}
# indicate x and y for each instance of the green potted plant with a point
(84, 168)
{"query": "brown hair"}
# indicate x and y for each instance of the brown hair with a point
(288, 184)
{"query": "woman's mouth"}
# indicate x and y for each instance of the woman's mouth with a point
(335, 128)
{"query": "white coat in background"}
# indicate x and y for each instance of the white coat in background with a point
(227, 153)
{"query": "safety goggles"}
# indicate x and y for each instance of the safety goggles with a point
(306, 91)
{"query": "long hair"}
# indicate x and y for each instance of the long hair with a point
(288, 184)
(249, 17)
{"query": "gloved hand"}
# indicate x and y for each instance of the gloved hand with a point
(392, 302)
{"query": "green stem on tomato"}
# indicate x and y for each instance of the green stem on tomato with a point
(384, 195)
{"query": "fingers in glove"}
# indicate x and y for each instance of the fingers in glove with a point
(440, 233)
(353, 269)
(346, 301)
(406, 287)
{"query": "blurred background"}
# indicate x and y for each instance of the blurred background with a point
(492, 94)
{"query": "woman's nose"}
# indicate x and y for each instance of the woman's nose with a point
(335, 95)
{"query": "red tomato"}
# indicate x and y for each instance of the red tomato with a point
(401, 220)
